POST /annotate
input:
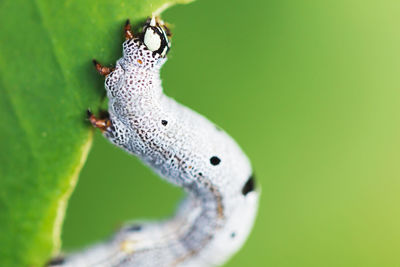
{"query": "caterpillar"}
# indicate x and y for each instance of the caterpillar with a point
(183, 147)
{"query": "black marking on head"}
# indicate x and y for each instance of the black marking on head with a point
(214, 160)
(164, 122)
(134, 228)
(249, 186)
(161, 32)
(55, 261)
(233, 235)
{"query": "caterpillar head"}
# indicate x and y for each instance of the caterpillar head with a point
(155, 36)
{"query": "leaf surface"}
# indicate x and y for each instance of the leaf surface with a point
(47, 82)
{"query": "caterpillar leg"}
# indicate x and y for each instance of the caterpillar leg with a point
(104, 71)
(103, 123)
(128, 30)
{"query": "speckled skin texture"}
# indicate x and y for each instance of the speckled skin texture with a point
(186, 149)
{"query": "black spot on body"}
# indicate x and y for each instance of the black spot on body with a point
(164, 122)
(55, 261)
(249, 186)
(214, 160)
(233, 235)
(134, 228)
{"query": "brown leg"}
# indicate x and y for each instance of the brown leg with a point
(104, 71)
(103, 124)
(127, 30)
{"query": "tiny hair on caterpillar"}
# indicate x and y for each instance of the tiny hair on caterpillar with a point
(183, 147)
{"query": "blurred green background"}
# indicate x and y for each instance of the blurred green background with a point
(311, 91)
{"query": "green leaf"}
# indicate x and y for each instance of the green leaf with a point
(47, 82)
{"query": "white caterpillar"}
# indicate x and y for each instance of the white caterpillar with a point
(186, 149)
